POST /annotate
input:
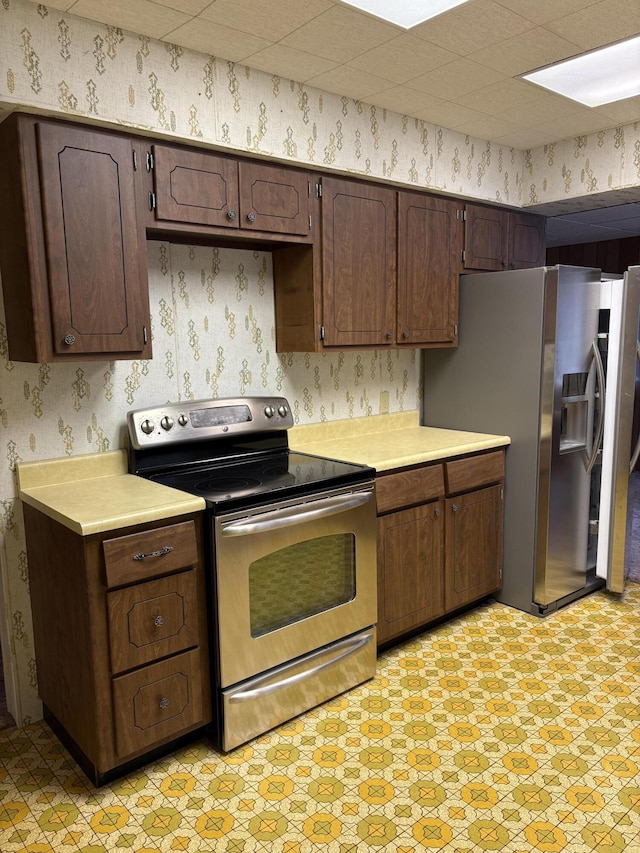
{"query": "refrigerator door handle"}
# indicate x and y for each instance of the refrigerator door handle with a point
(636, 449)
(597, 441)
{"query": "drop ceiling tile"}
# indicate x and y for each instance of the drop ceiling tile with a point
(472, 26)
(289, 63)
(189, 7)
(341, 34)
(137, 16)
(622, 112)
(215, 40)
(525, 52)
(543, 11)
(546, 107)
(455, 79)
(522, 139)
(402, 58)
(488, 127)
(600, 24)
(499, 97)
(264, 19)
(450, 116)
(351, 82)
(403, 100)
(576, 124)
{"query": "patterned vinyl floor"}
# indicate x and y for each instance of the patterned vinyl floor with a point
(496, 731)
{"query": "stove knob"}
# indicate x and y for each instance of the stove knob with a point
(147, 427)
(283, 411)
(166, 423)
(183, 420)
(269, 411)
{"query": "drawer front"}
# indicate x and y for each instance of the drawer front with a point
(462, 475)
(149, 554)
(409, 488)
(152, 620)
(157, 702)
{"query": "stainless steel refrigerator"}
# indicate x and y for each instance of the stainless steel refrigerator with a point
(548, 357)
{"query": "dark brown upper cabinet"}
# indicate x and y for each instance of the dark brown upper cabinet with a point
(198, 192)
(498, 239)
(72, 250)
(383, 274)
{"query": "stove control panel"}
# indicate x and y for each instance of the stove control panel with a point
(194, 420)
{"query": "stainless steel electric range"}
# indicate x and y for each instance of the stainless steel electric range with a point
(291, 552)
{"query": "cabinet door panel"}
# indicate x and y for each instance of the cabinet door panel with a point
(410, 581)
(429, 239)
(92, 240)
(527, 241)
(274, 199)
(473, 560)
(358, 263)
(486, 238)
(195, 187)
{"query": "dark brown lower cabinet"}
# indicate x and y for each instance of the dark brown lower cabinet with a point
(120, 631)
(439, 540)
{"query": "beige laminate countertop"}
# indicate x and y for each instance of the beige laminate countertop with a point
(388, 441)
(94, 493)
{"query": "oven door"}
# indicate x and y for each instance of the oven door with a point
(292, 578)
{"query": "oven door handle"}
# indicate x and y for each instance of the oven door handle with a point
(298, 514)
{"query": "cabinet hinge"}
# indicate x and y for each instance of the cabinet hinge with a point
(135, 160)
(321, 333)
(144, 334)
(150, 163)
(318, 190)
(152, 201)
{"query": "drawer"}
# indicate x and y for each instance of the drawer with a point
(462, 475)
(152, 620)
(157, 702)
(149, 554)
(409, 488)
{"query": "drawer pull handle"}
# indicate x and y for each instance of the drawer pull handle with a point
(158, 621)
(159, 553)
(164, 703)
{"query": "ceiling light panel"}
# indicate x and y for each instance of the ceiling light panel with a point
(405, 13)
(596, 78)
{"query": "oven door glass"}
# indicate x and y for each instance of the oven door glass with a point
(292, 578)
(301, 580)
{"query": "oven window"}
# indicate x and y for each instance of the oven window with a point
(299, 581)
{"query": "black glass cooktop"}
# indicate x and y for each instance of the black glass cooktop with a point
(235, 484)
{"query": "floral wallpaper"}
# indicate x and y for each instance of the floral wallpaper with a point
(212, 309)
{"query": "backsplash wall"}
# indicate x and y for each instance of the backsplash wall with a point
(212, 310)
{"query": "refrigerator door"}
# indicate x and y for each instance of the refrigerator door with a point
(571, 353)
(621, 298)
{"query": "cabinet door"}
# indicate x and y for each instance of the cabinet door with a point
(429, 240)
(195, 187)
(358, 263)
(527, 244)
(274, 199)
(473, 555)
(95, 252)
(410, 579)
(486, 238)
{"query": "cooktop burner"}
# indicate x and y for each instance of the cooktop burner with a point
(233, 453)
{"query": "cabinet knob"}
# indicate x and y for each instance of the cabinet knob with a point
(69, 340)
(231, 215)
(437, 512)
(158, 621)
(389, 335)
(251, 217)
(455, 507)
(405, 334)
(164, 703)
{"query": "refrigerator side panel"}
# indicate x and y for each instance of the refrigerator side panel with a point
(493, 383)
